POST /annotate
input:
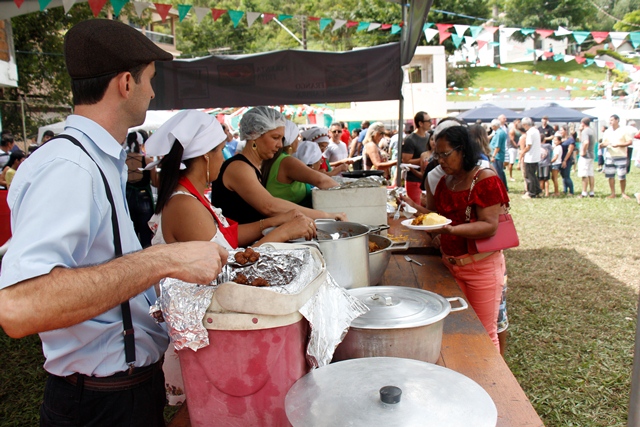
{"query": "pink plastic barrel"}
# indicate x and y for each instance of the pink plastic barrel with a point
(241, 378)
(5, 218)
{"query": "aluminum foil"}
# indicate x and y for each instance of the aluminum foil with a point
(368, 182)
(329, 312)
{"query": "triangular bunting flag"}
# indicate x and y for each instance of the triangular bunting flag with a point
(217, 13)
(284, 17)
(561, 31)
(599, 36)
(67, 4)
(529, 51)
(619, 67)
(590, 61)
(117, 6)
(385, 26)
(442, 29)
(635, 39)
(617, 38)
(609, 64)
(490, 29)
(600, 63)
(374, 26)
(267, 17)
(19, 3)
(527, 31)
(44, 3)
(544, 33)
(351, 24)
(430, 33)
(456, 40)
(163, 10)
(580, 59)
(183, 9)
(468, 40)
(539, 53)
(236, 16)
(324, 22)
(201, 12)
(395, 29)
(140, 7)
(508, 31)
(461, 29)
(580, 36)
(313, 18)
(251, 17)
(558, 57)
(362, 26)
(548, 54)
(481, 43)
(475, 30)
(338, 24)
(568, 58)
(96, 6)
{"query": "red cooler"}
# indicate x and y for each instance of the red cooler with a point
(257, 351)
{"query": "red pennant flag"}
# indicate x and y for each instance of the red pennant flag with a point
(267, 17)
(442, 30)
(599, 36)
(637, 67)
(314, 18)
(385, 26)
(544, 33)
(491, 29)
(610, 65)
(18, 3)
(481, 44)
(352, 24)
(548, 55)
(217, 13)
(580, 59)
(96, 6)
(163, 10)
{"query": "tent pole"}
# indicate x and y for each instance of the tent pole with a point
(634, 407)
(401, 108)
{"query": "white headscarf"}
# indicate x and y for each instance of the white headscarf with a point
(291, 132)
(198, 133)
(316, 134)
(308, 152)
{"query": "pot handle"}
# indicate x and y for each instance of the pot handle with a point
(463, 304)
(397, 246)
(377, 228)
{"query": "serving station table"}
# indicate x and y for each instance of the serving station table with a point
(466, 347)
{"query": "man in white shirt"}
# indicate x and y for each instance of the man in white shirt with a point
(530, 157)
(616, 140)
(336, 152)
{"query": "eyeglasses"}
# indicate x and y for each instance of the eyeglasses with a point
(444, 156)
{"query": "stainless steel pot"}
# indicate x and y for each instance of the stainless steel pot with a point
(379, 260)
(401, 322)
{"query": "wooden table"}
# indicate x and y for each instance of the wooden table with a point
(466, 346)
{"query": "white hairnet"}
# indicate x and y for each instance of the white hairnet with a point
(291, 133)
(258, 121)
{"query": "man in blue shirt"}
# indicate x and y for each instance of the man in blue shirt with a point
(59, 277)
(498, 147)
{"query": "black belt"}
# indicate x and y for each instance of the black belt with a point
(117, 382)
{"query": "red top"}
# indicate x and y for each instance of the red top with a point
(453, 204)
(345, 137)
(230, 233)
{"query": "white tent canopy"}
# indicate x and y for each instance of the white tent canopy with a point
(154, 119)
(603, 113)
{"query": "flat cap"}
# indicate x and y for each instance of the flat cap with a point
(98, 47)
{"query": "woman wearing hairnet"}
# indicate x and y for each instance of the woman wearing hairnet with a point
(238, 189)
(287, 177)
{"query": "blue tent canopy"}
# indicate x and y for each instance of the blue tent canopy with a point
(486, 113)
(555, 113)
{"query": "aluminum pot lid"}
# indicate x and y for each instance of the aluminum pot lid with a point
(348, 393)
(397, 307)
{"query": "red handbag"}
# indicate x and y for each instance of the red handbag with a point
(506, 235)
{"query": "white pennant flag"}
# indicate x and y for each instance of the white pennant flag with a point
(252, 16)
(468, 40)
(561, 31)
(508, 31)
(600, 63)
(201, 12)
(617, 38)
(430, 33)
(374, 26)
(568, 58)
(68, 4)
(339, 24)
(539, 53)
(140, 6)
(460, 29)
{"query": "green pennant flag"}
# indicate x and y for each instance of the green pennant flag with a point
(456, 40)
(363, 26)
(324, 22)
(44, 4)
(284, 17)
(558, 57)
(590, 62)
(395, 29)
(183, 9)
(427, 25)
(117, 6)
(527, 31)
(580, 36)
(475, 30)
(236, 16)
(494, 43)
(635, 39)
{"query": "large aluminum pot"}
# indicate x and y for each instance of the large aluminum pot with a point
(379, 260)
(401, 322)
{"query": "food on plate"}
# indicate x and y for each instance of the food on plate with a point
(249, 255)
(373, 247)
(431, 218)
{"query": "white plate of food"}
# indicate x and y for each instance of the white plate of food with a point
(430, 218)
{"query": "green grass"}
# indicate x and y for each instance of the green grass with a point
(494, 77)
(573, 288)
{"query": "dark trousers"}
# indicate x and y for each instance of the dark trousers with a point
(65, 404)
(499, 167)
(531, 179)
(567, 183)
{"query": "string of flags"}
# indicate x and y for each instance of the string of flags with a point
(470, 34)
(536, 97)
(570, 79)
